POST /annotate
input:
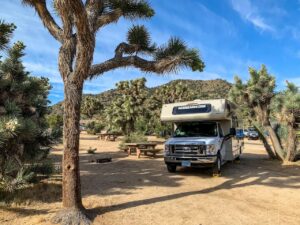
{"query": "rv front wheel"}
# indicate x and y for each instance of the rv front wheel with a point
(171, 168)
(216, 170)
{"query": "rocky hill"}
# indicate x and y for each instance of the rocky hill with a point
(205, 89)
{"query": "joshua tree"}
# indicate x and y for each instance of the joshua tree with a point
(256, 95)
(90, 106)
(175, 92)
(128, 106)
(81, 20)
(287, 109)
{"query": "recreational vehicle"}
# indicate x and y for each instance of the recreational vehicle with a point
(204, 134)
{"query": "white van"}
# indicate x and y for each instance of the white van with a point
(204, 134)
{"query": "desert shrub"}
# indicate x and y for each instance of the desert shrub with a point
(132, 138)
(15, 178)
(91, 150)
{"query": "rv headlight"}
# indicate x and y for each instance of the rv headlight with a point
(167, 149)
(211, 150)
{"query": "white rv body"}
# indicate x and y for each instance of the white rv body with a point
(213, 148)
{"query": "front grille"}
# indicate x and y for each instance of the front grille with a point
(188, 149)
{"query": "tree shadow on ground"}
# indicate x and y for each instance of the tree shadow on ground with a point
(123, 174)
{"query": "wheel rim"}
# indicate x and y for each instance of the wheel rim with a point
(219, 164)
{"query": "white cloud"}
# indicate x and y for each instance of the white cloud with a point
(43, 69)
(251, 14)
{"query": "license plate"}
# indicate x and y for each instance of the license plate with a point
(186, 163)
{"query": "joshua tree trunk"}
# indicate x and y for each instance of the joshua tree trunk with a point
(71, 179)
(291, 144)
(73, 211)
(266, 144)
(263, 115)
(130, 127)
(275, 142)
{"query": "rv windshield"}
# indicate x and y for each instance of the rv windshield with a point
(196, 129)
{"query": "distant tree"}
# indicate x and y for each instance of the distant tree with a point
(287, 110)
(128, 106)
(90, 106)
(55, 124)
(81, 20)
(175, 92)
(23, 105)
(256, 95)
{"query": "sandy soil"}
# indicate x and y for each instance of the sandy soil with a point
(141, 191)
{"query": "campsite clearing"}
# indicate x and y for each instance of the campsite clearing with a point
(141, 191)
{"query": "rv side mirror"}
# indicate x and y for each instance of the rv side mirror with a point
(232, 132)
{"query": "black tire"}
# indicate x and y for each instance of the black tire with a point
(216, 170)
(239, 157)
(171, 168)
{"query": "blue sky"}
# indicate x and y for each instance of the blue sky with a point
(230, 34)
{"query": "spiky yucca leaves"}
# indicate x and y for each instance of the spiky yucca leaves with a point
(176, 48)
(6, 31)
(287, 104)
(140, 37)
(131, 8)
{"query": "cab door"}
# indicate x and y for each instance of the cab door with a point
(222, 143)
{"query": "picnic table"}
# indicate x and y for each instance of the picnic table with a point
(107, 136)
(144, 147)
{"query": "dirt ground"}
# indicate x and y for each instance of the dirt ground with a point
(141, 191)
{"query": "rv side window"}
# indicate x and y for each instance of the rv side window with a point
(220, 130)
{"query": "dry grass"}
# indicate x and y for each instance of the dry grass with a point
(44, 192)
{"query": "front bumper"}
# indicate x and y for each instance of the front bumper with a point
(199, 161)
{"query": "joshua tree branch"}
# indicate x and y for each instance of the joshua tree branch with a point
(80, 19)
(85, 40)
(159, 67)
(111, 17)
(41, 7)
(93, 10)
(125, 48)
